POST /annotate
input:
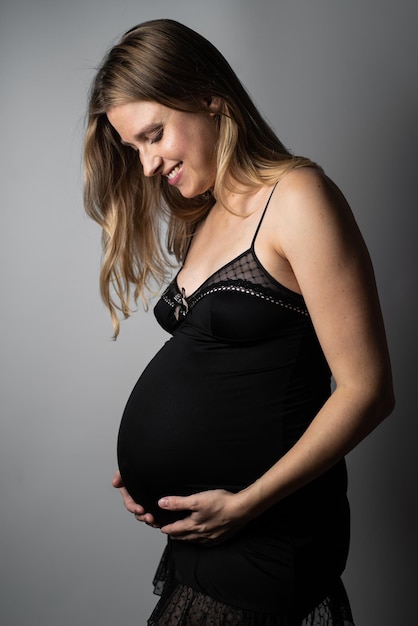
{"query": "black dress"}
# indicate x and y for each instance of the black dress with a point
(231, 391)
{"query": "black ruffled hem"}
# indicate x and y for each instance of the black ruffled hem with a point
(181, 605)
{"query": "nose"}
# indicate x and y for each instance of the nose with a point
(151, 164)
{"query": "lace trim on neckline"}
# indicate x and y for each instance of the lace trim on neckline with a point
(244, 274)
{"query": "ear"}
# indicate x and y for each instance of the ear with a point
(213, 104)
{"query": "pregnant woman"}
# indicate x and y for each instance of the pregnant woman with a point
(232, 442)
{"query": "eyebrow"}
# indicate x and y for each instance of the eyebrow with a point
(141, 135)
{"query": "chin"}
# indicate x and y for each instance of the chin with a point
(190, 194)
(194, 193)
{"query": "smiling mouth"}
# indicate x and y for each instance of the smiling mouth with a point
(173, 173)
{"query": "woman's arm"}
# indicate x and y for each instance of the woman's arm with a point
(317, 234)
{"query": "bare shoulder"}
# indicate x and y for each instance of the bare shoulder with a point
(300, 178)
(308, 206)
(309, 187)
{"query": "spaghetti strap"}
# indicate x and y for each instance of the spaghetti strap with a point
(262, 216)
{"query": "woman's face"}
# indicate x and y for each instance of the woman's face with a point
(179, 146)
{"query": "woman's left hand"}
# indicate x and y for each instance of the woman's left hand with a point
(214, 516)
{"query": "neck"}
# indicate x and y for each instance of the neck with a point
(243, 201)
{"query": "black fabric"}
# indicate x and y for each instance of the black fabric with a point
(181, 605)
(231, 391)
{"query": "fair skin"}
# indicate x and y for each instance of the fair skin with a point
(310, 243)
(176, 145)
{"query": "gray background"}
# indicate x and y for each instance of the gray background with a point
(338, 80)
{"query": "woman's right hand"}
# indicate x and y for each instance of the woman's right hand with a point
(133, 507)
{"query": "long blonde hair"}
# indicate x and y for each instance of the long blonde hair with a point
(165, 62)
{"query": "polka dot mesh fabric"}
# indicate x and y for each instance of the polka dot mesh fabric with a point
(181, 605)
(245, 274)
(187, 607)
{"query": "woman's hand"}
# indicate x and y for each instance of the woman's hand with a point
(215, 515)
(131, 505)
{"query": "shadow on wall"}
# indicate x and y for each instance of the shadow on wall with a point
(385, 519)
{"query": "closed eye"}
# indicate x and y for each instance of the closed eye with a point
(129, 145)
(154, 137)
(158, 135)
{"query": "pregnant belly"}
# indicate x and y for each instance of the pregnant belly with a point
(166, 447)
(157, 450)
(186, 429)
